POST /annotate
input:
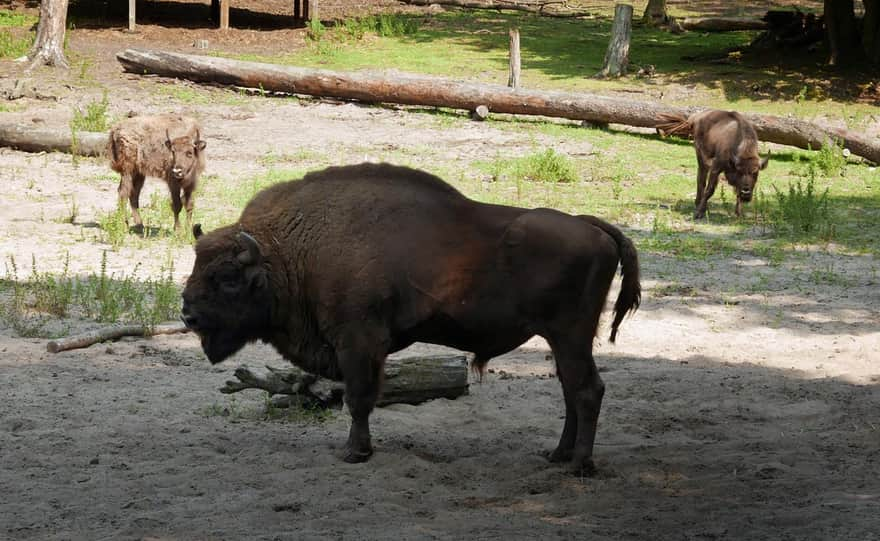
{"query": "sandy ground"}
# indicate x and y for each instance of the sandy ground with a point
(750, 415)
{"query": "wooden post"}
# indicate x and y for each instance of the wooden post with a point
(310, 11)
(224, 14)
(131, 13)
(513, 79)
(617, 55)
(297, 14)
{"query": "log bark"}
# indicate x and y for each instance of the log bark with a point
(410, 89)
(515, 65)
(410, 380)
(617, 55)
(38, 139)
(721, 24)
(548, 9)
(48, 48)
(111, 333)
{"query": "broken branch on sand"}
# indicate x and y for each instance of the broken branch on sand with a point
(111, 333)
(408, 89)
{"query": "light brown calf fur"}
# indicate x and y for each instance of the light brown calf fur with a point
(168, 147)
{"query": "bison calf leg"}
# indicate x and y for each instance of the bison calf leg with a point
(176, 203)
(710, 191)
(130, 187)
(188, 204)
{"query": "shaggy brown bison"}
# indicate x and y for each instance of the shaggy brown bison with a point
(726, 142)
(143, 146)
(349, 264)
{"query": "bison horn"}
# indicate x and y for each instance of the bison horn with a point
(251, 255)
(167, 138)
(197, 231)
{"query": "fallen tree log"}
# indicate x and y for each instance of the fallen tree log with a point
(111, 333)
(41, 139)
(408, 89)
(549, 9)
(410, 380)
(721, 24)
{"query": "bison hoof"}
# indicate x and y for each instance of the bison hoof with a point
(356, 456)
(559, 455)
(584, 467)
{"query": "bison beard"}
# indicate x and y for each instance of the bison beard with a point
(349, 264)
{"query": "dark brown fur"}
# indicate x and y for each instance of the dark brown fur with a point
(168, 147)
(349, 264)
(725, 142)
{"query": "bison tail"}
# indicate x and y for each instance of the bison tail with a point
(630, 295)
(673, 124)
(113, 151)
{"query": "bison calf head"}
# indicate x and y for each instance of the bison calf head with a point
(226, 300)
(744, 175)
(185, 154)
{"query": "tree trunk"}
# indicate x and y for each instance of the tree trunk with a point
(515, 65)
(843, 39)
(617, 55)
(409, 89)
(546, 8)
(411, 380)
(48, 48)
(31, 139)
(871, 31)
(655, 13)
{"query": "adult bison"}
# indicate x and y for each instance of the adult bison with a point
(349, 264)
(725, 142)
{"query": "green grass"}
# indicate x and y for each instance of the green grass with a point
(16, 19)
(14, 44)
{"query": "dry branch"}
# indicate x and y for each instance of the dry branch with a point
(410, 380)
(549, 9)
(410, 89)
(111, 333)
(38, 139)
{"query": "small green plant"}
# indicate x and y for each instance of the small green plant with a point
(53, 294)
(94, 118)
(802, 211)
(547, 166)
(12, 46)
(12, 18)
(72, 210)
(393, 25)
(830, 159)
(115, 225)
(315, 30)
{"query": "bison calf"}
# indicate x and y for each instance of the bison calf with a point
(726, 142)
(349, 264)
(168, 147)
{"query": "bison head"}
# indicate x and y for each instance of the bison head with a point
(185, 154)
(744, 175)
(227, 300)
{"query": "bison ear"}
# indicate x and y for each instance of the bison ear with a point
(197, 231)
(765, 160)
(200, 145)
(251, 254)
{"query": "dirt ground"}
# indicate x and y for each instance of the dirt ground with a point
(751, 415)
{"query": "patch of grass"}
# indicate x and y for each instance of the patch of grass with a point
(93, 118)
(13, 45)
(114, 225)
(546, 166)
(16, 19)
(184, 94)
(802, 211)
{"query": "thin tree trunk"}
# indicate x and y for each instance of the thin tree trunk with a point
(871, 31)
(48, 48)
(434, 91)
(655, 13)
(617, 55)
(843, 39)
(515, 65)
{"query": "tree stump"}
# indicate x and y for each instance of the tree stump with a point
(617, 55)
(48, 48)
(410, 380)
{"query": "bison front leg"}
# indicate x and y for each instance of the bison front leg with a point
(188, 204)
(176, 203)
(702, 173)
(710, 190)
(361, 356)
